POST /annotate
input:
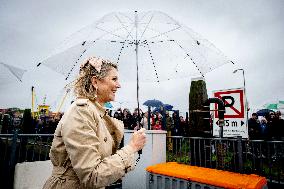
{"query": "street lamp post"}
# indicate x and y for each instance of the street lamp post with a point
(243, 79)
(246, 103)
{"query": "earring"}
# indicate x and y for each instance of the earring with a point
(96, 93)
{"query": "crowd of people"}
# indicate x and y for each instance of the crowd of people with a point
(267, 127)
(46, 124)
(172, 123)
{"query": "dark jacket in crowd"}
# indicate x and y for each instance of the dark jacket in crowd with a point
(253, 128)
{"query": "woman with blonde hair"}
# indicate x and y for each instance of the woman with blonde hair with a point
(84, 151)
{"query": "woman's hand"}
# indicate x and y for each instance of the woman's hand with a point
(138, 140)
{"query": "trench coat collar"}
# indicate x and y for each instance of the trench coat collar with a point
(100, 108)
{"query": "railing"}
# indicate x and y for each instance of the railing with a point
(265, 158)
(260, 157)
(16, 148)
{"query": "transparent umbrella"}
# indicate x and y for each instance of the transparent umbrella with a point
(9, 74)
(148, 46)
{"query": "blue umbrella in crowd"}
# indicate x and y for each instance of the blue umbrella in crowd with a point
(167, 107)
(263, 112)
(153, 103)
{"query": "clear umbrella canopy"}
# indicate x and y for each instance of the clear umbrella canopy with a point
(152, 44)
(9, 74)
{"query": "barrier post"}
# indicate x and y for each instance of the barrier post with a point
(240, 154)
(12, 161)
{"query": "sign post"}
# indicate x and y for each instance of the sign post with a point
(235, 117)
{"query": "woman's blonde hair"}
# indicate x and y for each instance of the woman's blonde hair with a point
(83, 85)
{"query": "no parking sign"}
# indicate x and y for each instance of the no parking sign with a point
(235, 117)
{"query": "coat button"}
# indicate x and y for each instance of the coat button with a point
(105, 139)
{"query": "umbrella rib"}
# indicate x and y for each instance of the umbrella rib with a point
(111, 32)
(120, 52)
(12, 71)
(129, 33)
(197, 41)
(126, 16)
(146, 28)
(161, 34)
(175, 22)
(190, 58)
(155, 42)
(77, 61)
(182, 48)
(85, 51)
(148, 12)
(153, 62)
(90, 46)
(176, 43)
(106, 32)
(122, 47)
(147, 23)
(55, 69)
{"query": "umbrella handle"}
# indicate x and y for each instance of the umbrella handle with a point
(139, 127)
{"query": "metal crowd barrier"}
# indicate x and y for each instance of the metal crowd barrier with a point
(17, 148)
(265, 158)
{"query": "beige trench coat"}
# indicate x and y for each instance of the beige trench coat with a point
(84, 149)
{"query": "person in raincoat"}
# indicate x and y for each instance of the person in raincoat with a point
(84, 151)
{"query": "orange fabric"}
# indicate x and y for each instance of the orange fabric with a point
(208, 176)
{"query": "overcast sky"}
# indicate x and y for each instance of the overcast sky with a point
(250, 33)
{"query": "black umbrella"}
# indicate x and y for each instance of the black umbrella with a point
(153, 103)
(263, 112)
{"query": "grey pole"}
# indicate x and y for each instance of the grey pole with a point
(137, 66)
(137, 69)
(246, 102)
